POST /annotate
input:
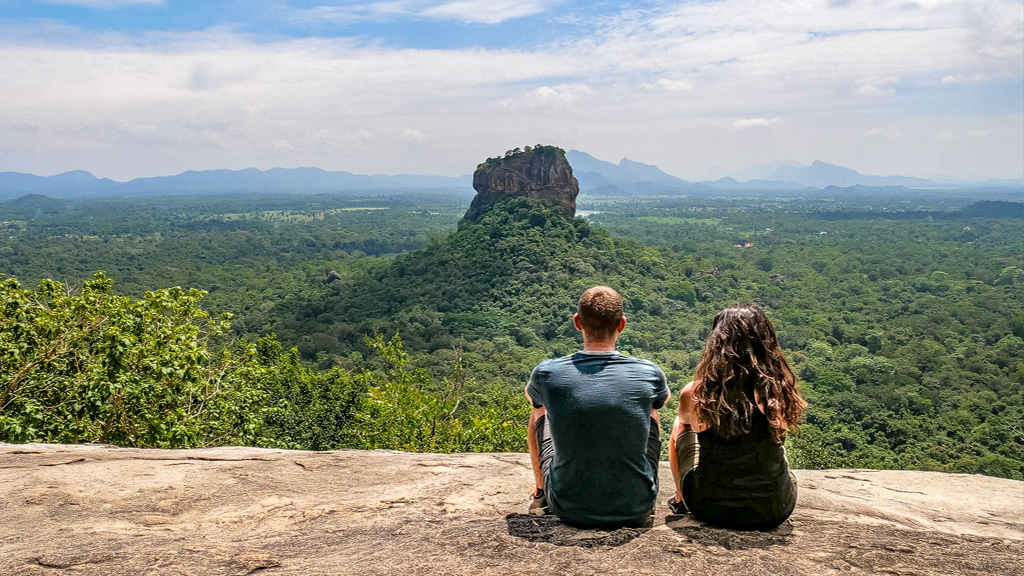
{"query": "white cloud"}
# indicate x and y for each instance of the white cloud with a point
(670, 84)
(972, 134)
(107, 130)
(353, 12)
(103, 4)
(485, 11)
(877, 86)
(413, 136)
(549, 96)
(360, 137)
(748, 123)
(874, 90)
(465, 11)
(889, 133)
(964, 78)
(208, 76)
(24, 128)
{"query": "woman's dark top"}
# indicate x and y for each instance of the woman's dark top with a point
(743, 481)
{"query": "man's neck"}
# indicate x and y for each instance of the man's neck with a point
(603, 346)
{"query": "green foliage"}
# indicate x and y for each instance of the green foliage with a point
(540, 149)
(305, 408)
(398, 413)
(1017, 325)
(683, 291)
(94, 367)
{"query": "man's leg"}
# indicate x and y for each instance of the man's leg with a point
(654, 446)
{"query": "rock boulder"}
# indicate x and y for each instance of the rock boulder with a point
(542, 173)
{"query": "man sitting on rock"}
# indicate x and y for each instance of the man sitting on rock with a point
(594, 437)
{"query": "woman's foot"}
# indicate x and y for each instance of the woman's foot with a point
(678, 506)
(538, 503)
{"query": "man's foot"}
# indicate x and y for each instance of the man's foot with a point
(678, 507)
(538, 502)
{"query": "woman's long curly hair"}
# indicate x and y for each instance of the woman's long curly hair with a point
(742, 355)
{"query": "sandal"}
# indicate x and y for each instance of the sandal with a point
(678, 508)
(538, 503)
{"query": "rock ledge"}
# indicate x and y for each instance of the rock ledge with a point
(111, 511)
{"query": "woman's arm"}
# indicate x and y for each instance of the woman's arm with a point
(531, 443)
(681, 441)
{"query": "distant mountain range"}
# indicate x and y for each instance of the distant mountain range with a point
(600, 177)
(596, 177)
(820, 175)
(82, 184)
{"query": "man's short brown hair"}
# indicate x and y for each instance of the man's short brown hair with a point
(600, 311)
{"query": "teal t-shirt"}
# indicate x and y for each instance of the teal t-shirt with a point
(598, 409)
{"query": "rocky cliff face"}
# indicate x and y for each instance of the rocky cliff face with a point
(542, 173)
(100, 510)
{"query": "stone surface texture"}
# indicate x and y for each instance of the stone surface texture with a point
(69, 509)
(542, 173)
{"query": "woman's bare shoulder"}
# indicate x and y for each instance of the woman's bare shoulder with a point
(688, 408)
(687, 392)
(686, 398)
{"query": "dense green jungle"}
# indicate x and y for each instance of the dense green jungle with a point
(322, 321)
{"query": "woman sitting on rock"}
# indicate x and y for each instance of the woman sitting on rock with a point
(741, 403)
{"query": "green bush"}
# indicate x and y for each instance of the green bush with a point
(89, 366)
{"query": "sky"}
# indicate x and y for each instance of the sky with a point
(131, 88)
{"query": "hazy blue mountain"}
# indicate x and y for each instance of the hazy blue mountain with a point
(729, 183)
(593, 172)
(763, 171)
(15, 184)
(592, 180)
(288, 179)
(821, 174)
(78, 183)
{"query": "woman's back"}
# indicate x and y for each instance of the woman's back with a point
(742, 481)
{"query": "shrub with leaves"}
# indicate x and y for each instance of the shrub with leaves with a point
(90, 366)
(400, 412)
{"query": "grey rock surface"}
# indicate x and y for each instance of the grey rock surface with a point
(540, 173)
(69, 509)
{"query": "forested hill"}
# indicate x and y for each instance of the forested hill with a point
(514, 274)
